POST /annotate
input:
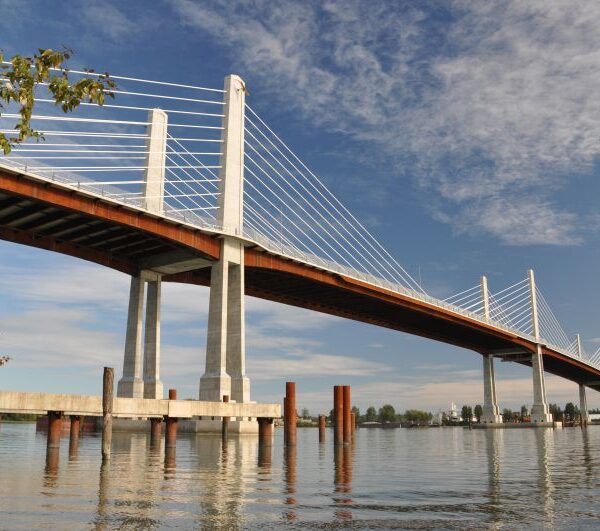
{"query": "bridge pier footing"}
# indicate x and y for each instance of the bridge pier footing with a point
(491, 413)
(540, 412)
(583, 407)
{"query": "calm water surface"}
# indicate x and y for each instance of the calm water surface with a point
(446, 478)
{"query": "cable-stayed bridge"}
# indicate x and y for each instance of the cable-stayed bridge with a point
(173, 182)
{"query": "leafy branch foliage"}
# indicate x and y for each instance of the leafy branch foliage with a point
(20, 75)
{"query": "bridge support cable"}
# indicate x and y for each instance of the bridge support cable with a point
(274, 173)
(101, 143)
(304, 197)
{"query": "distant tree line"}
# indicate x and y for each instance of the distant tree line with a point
(387, 414)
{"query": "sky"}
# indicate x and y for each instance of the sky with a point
(464, 134)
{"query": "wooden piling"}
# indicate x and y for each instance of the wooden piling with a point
(225, 422)
(171, 425)
(322, 425)
(347, 428)
(353, 425)
(290, 414)
(107, 409)
(54, 428)
(338, 414)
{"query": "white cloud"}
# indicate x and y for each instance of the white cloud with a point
(109, 20)
(492, 111)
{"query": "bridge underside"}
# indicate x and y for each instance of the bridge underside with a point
(72, 223)
(47, 216)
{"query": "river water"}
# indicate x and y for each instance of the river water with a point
(446, 478)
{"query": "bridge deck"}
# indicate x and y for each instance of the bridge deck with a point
(91, 406)
(50, 216)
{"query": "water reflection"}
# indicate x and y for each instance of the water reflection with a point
(51, 469)
(545, 486)
(289, 467)
(538, 478)
(493, 440)
(342, 465)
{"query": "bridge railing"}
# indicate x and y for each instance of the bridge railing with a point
(108, 146)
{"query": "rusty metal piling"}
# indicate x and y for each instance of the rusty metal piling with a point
(107, 409)
(338, 415)
(171, 425)
(290, 414)
(322, 425)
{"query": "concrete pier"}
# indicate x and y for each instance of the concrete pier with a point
(153, 387)
(583, 407)
(225, 346)
(491, 413)
(131, 384)
(539, 410)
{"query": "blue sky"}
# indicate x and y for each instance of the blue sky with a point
(465, 134)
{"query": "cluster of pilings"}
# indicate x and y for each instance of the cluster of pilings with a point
(344, 420)
(55, 418)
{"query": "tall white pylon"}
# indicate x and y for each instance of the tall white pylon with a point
(225, 372)
(539, 410)
(491, 414)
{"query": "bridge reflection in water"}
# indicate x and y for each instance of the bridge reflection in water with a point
(388, 477)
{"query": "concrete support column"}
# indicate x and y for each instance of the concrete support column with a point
(131, 384)
(491, 413)
(583, 407)
(539, 410)
(225, 372)
(215, 383)
(236, 335)
(153, 387)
